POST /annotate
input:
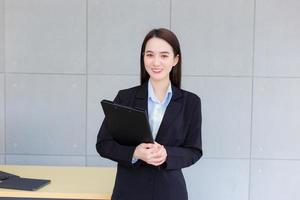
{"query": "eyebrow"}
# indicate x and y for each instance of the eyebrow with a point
(162, 52)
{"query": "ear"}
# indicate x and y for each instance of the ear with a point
(176, 59)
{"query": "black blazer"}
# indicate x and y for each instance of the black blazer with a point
(179, 132)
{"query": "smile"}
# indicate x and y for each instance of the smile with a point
(156, 70)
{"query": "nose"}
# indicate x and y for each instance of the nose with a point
(156, 61)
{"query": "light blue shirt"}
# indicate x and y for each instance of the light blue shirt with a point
(156, 109)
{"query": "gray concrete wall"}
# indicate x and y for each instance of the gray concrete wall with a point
(59, 58)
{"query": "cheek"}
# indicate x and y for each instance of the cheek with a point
(170, 64)
(147, 68)
(146, 62)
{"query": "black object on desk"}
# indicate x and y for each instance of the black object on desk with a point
(5, 175)
(11, 181)
(128, 126)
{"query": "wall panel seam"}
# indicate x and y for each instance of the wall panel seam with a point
(170, 22)
(252, 92)
(4, 79)
(86, 82)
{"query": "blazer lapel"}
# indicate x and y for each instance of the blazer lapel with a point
(171, 112)
(174, 107)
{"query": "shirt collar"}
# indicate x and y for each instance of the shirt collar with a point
(152, 96)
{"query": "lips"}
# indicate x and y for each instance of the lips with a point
(156, 70)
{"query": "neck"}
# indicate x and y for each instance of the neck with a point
(160, 88)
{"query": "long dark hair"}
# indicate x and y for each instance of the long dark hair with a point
(169, 37)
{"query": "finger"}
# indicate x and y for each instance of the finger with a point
(157, 162)
(164, 149)
(154, 150)
(158, 154)
(146, 157)
(157, 145)
(146, 145)
(154, 157)
(161, 151)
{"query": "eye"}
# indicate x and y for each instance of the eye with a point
(164, 56)
(149, 55)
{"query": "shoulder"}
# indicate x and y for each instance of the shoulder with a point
(129, 91)
(191, 103)
(127, 96)
(190, 97)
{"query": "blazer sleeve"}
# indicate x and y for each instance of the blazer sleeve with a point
(191, 151)
(112, 150)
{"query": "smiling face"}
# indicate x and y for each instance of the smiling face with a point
(159, 59)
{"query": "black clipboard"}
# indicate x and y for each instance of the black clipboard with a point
(128, 126)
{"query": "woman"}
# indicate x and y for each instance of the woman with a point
(153, 171)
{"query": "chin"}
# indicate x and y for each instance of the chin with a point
(157, 78)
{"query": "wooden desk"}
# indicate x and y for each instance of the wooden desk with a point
(66, 182)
